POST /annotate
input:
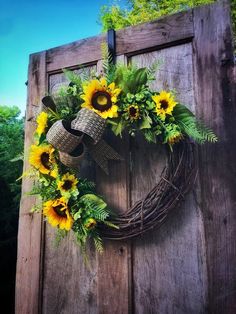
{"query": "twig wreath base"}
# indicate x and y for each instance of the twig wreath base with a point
(168, 194)
(119, 100)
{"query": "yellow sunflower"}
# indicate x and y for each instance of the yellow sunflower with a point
(175, 138)
(57, 213)
(42, 121)
(67, 183)
(41, 157)
(101, 98)
(165, 104)
(133, 112)
(90, 223)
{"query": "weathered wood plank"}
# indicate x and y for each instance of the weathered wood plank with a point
(129, 40)
(156, 33)
(79, 52)
(214, 87)
(114, 265)
(69, 285)
(30, 225)
(169, 271)
(58, 80)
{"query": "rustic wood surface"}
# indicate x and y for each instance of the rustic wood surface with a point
(28, 273)
(79, 52)
(69, 286)
(114, 264)
(178, 27)
(161, 32)
(168, 263)
(187, 266)
(214, 86)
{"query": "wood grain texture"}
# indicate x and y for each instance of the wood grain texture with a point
(79, 52)
(128, 40)
(214, 86)
(30, 225)
(114, 284)
(169, 269)
(156, 33)
(187, 266)
(69, 286)
(58, 80)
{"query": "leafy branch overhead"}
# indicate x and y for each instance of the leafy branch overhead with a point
(139, 11)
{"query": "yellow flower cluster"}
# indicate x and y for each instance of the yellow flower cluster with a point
(57, 213)
(101, 98)
(42, 121)
(165, 104)
(42, 158)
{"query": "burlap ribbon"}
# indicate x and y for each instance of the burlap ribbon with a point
(86, 130)
(92, 126)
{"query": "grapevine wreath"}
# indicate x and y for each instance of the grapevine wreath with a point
(71, 126)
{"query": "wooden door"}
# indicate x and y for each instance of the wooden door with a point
(188, 265)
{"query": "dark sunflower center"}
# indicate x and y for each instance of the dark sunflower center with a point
(164, 104)
(101, 101)
(67, 185)
(45, 160)
(92, 224)
(133, 111)
(59, 211)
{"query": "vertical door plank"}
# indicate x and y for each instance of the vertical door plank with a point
(30, 225)
(114, 286)
(169, 270)
(216, 104)
(69, 285)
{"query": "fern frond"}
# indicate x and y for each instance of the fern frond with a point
(86, 186)
(191, 126)
(108, 67)
(98, 243)
(60, 235)
(152, 69)
(99, 213)
(149, 136)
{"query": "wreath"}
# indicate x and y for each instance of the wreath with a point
(72, 125)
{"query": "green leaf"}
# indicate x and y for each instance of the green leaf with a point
(191, 126)
(146, 123)
(150, 136)
(18, 157)
(110, 224)
(95, 199)
(118, 77)
(98, 244)
(140, 78)
(77, 215)
(118, 128)
(42, 138)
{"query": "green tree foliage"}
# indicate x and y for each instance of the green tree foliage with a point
(139, 11)
(11, 144)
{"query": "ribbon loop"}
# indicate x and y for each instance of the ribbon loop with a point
(85, 131)
(90, 123)
(101, 153)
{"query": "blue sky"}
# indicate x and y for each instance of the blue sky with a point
(31, 26)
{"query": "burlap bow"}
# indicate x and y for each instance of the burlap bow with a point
(85, 132)
(92, 126)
